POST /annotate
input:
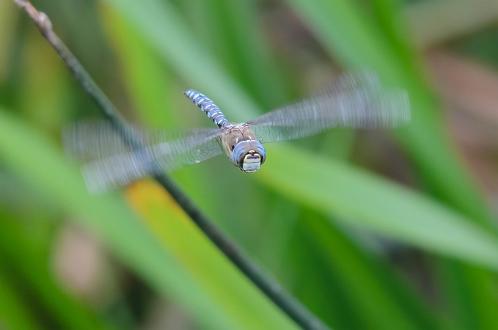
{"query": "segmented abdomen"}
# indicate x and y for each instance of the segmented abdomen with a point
(208, 106)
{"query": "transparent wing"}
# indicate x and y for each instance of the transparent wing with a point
(110, 162)
(354, 100)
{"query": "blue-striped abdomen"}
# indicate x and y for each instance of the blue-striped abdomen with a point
(207, 105)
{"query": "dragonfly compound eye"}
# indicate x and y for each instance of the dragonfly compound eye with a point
(249, 155)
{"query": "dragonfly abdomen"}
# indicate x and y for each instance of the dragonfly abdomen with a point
(207, 105)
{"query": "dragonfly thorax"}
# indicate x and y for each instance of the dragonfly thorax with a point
(242, 147)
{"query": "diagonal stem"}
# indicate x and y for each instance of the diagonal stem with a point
(269, 287)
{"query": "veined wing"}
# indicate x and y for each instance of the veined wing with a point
(354, 100)
(110, 162)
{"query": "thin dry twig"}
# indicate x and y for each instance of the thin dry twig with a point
(268, 286)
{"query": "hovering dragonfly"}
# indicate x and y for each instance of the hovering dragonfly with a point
(353, 100)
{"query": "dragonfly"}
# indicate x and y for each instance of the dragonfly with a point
(355, 100)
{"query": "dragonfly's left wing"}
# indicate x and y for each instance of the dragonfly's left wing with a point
(110, 162)
(354, 100)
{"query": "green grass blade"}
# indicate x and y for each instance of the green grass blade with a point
(230, 31)
(14, 313)
(362, 199)
(377, 294)
(144, 74)
(317, 285)
(168, 34)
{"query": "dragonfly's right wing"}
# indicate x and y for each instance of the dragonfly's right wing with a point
(354, 100)
(110, 162)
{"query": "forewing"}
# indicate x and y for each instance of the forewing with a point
(356, 101)
(110, 162)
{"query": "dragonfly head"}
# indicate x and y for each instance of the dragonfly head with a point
(249, 155)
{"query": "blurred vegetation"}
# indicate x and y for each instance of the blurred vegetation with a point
(370, 230)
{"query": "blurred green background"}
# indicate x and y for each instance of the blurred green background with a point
(368, 229)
